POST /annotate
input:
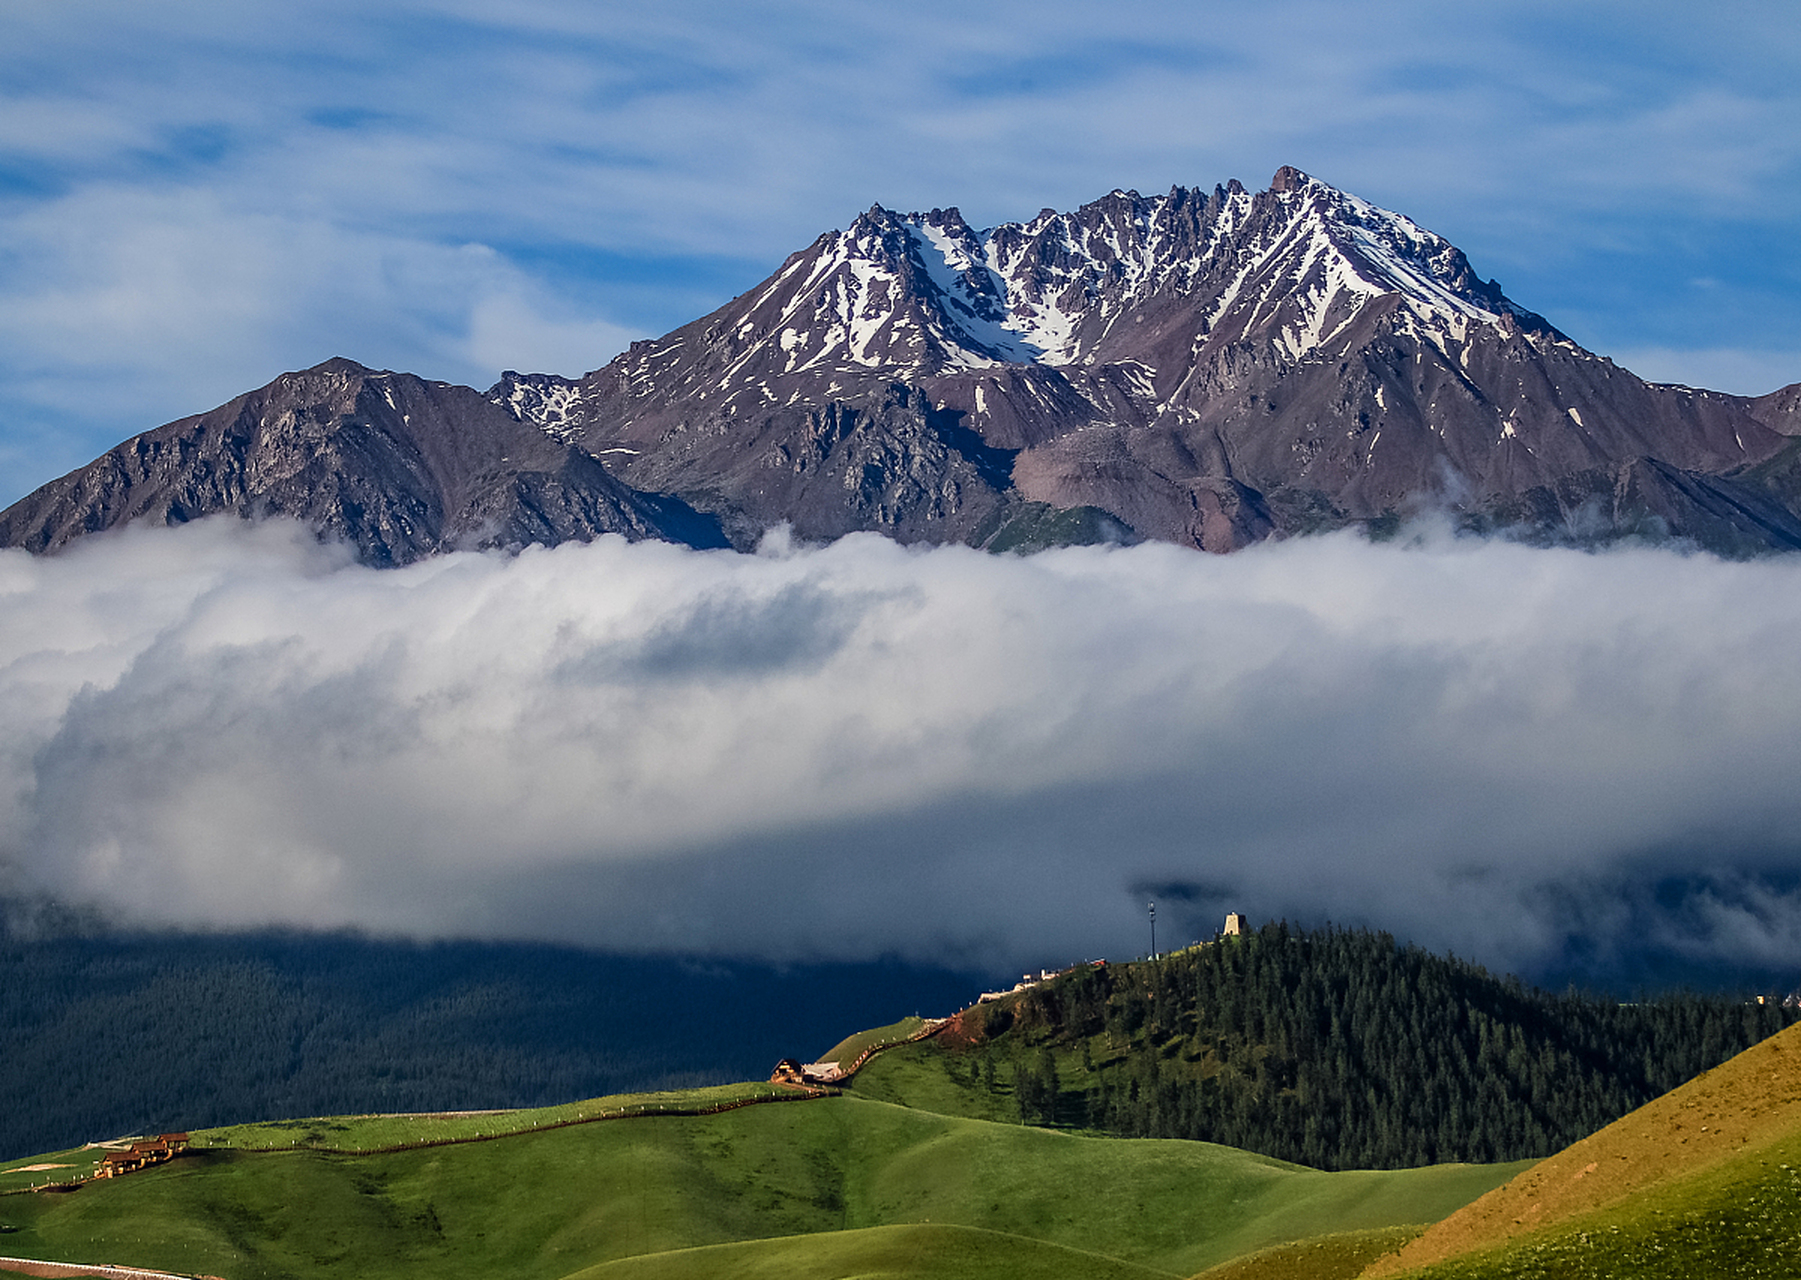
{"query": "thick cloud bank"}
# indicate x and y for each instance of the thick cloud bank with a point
(864, 748)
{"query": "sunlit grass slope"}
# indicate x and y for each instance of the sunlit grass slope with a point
(1737, 1221)
(1704, 1181)
(1340, 1256)
(877, 1253)
(847, 1049)
(548, 1202)
(57, 1166)
(931, 1077)
(384, 1132)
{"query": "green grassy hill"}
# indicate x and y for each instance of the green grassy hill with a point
(1705, 1181)
(1739, 1221)
(801, 1187)
(917, 1250)
(846, 1050)
(924, 1167)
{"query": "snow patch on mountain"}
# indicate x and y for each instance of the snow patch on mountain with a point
(924, 293)
(1025, 292)
(1331, 256)
(981, 335)
(544, 400)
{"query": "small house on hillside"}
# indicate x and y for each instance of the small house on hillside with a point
(141, 1155)
(794, 1071)
(114, 1163)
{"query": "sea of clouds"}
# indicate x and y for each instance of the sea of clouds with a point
(864, 749)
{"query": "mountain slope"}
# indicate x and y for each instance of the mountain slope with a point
(1211, 368)
(152, 1032)
(757, 1179)
(398, 467)
(1725, 1141)
(547, 1203)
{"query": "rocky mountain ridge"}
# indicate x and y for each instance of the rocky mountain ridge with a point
(399, 467)
(1206, 367)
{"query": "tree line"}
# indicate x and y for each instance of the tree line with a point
(1339, 1049)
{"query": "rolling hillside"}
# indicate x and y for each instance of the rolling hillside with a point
(761, 1179)
(799, 1186)
(114, 1034)
(1705, 1180)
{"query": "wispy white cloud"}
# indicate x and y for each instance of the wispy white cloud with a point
(864, 748)
(774, 116)
(128, 302)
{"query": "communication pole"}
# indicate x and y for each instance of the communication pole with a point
(1153, 910)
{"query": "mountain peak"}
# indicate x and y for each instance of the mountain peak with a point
(1290, 266)
(1288, 178)
(340, 364)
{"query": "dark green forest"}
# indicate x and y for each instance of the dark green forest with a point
(1339, 1049)
(1332, 1048)
(103, 1035)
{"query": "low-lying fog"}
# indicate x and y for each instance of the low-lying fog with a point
(862, 748)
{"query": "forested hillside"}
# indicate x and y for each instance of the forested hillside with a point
(1332, 1048)
(103, 1035)
(1337, 1049)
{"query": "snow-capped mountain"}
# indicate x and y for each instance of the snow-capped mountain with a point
(1209, 367)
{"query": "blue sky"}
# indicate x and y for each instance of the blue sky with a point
(198, 195)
